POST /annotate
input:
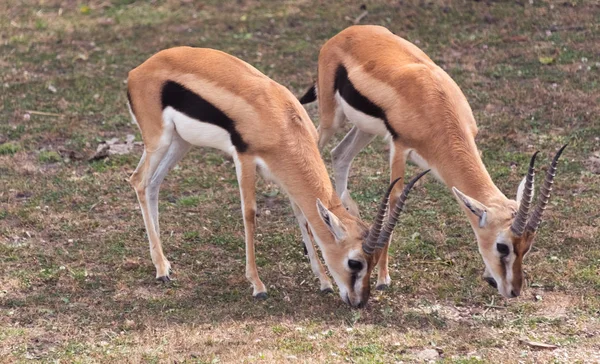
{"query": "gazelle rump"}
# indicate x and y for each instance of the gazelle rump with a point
(192, 96)
(387, 86)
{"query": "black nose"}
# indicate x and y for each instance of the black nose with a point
(515, 293)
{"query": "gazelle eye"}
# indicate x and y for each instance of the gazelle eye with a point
(355, 265)
(503, 249)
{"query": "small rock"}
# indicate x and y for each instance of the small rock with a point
(593, 164)
(428, 354)
(106, 21)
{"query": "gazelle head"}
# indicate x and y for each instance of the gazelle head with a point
(506, 232)
(356, 252)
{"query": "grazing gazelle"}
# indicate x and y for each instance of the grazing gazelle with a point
(190, 96)
(387, 86)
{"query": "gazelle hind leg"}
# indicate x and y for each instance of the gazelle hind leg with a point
(327, 130)
(315, 263)
(343, 155)
(397, 166)
(177, 150)
(245, 168)
(140, 180)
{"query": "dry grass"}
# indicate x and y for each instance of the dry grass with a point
(77, 281)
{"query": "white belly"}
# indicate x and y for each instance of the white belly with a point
(363, 121)
(199, 133)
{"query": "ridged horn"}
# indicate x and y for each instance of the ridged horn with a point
(545, 192)
(518, 225)
(370, 242)
(395, 212)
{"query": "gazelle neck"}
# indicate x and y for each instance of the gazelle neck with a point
(306, 195)
(305, 179)
(462, 167)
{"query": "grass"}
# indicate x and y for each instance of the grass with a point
(77, 281)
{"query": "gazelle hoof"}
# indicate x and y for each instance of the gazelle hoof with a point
(163, 279)
(382, 287)
(327, 290)
(261, 296)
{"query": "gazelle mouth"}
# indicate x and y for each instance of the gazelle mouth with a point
(491, 281)
(347, 299)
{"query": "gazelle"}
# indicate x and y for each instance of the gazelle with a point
(191, 96)
(387, 86)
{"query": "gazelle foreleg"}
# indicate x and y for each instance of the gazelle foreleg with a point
(343, 155)
(245, 167)
(315, 262)
(397, 166)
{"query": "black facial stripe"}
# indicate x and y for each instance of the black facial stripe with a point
(194, 106)
(351, 95)
(353, 279)
(503, 266)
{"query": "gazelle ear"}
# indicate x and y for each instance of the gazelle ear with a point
(521, 189)
(476, 207)
(335, 226)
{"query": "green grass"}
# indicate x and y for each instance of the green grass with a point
(9, 148)
(77, 280)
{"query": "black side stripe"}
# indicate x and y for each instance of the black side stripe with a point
(193, 105)
(351, 95)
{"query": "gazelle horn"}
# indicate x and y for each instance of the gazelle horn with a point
(518, 225)
(395, 213)
(545, 192)
(369, 245)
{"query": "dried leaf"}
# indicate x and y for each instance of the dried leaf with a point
(82, 56)
(546, 60)
(112, 146)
